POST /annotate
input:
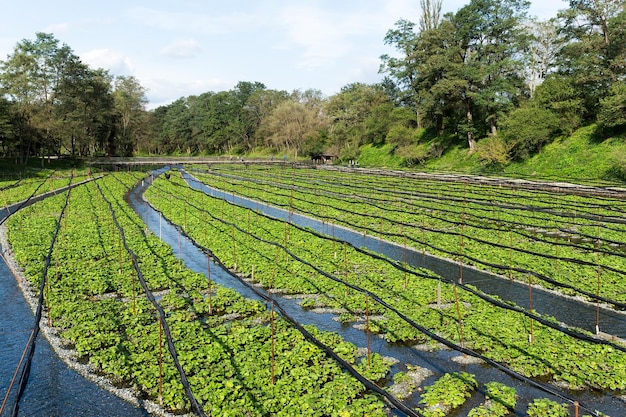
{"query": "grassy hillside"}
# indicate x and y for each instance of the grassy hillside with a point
(580, 157)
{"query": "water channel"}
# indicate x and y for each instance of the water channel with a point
(438, 361)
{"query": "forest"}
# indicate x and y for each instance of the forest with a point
(487, 77)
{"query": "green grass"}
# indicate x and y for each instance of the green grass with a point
(580, 157)
(577, 157)
(379, 156)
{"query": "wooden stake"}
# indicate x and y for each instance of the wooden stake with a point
(404, 260)
(334, 243)
(458, 315)
(438, 292)
(160, 362)
(273, 353)
(367, 330)
(274, 271)
(345, 267)
(530, 306)
(132, 278)
(510, 255)
(423, 241)
(461, 237)
(598, 301)
(234, 249)
(599, 275)
(380, 236)
(208, 274)
(556, 252)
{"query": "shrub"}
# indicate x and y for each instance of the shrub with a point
(527, 129)
(494, 150)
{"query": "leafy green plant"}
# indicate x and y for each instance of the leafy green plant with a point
(547, 408)
(500, 401)
(447, 393)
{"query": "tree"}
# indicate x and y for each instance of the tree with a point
(488, 37)
(87, 110)
(540, 56)
(291, 124)
(431, 15)
(30, 79)
(612, 114)
(526, 129)
(258, 107)
(6, 127)
(348, 111)
(560, 95)
(404, 69)
(596, 49)
(174, 125)
(130, 101)
(465, 64)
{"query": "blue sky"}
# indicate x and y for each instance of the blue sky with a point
(185, 47)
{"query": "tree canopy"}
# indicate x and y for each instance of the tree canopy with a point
(485, 72)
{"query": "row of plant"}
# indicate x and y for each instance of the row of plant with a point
(444, 195)
(553, 198)
(464, 236)
(17, 190)
(240, 357)
(280, 255)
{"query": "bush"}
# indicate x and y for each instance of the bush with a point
(494, 151)
(527, 129)
(559, 95)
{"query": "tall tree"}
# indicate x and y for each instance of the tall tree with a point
(404, 69)
(30, 78)
(6, 127)
(85, 107)
(348, 111)
(292, 123)
(431, 15)
(488, 36)
(595, 53)
(259, 106)
(130, 105)
(540, 56)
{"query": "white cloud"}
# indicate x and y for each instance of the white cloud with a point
(116, 62)
(182, 48)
